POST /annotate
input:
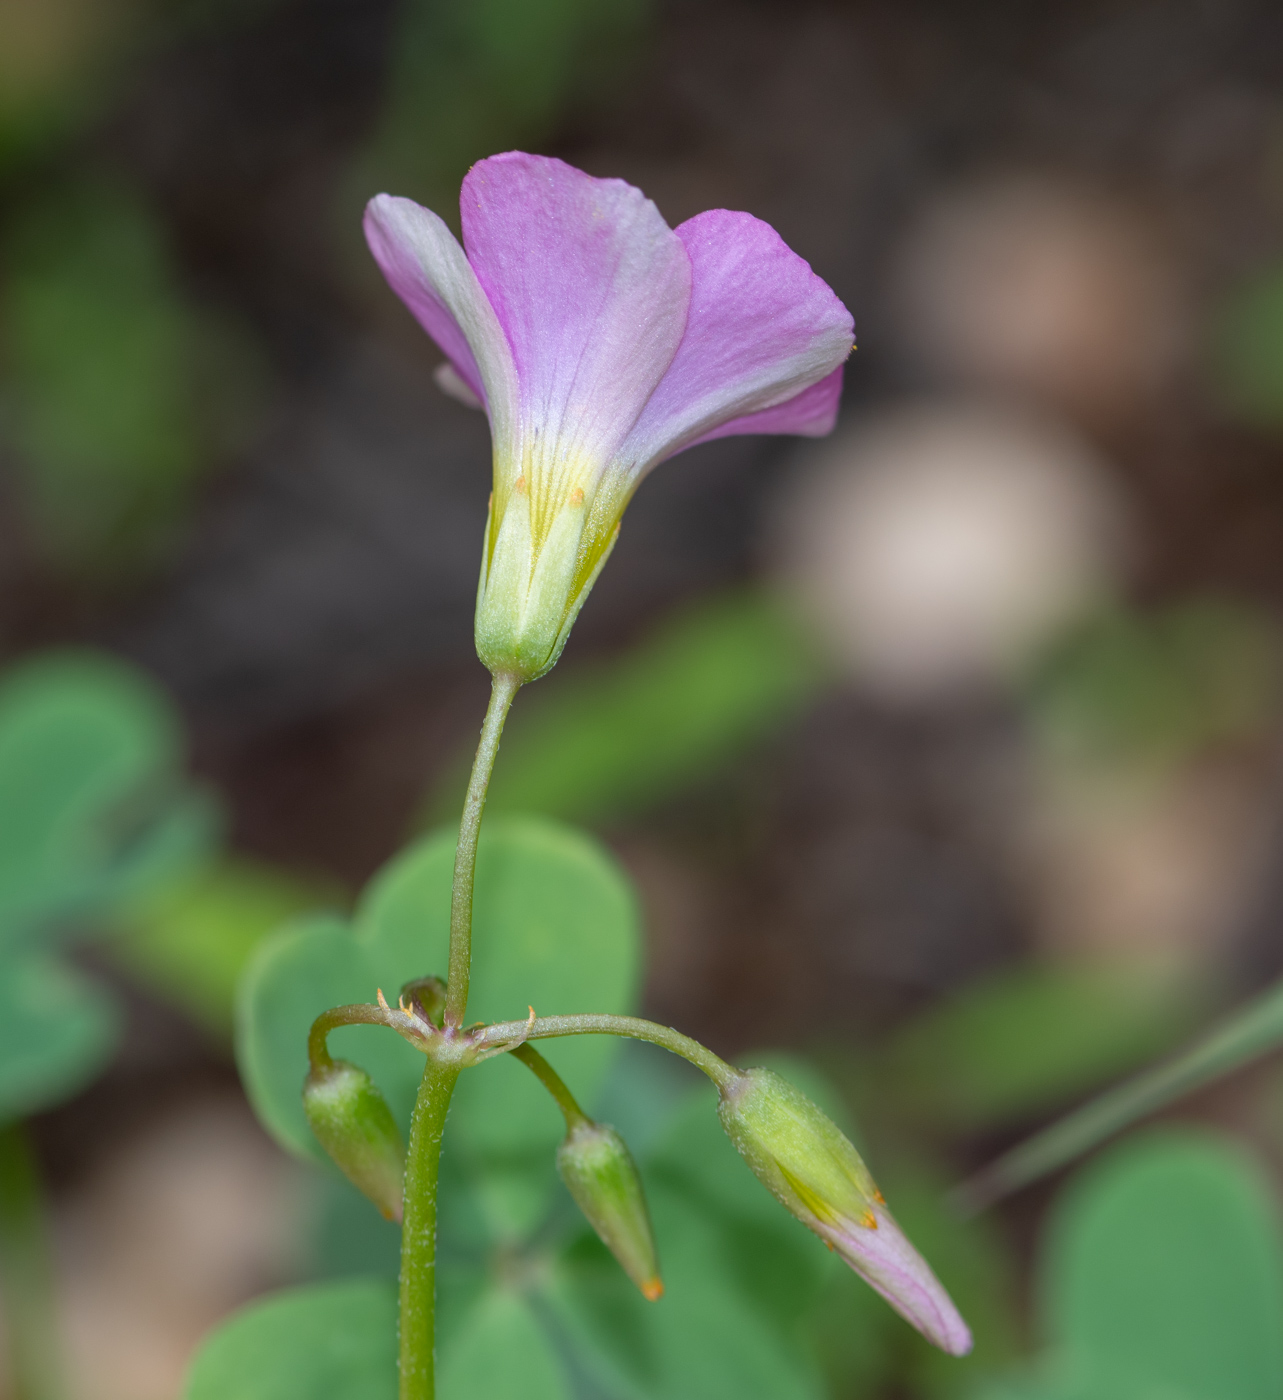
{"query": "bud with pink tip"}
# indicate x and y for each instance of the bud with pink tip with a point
(809, 1166)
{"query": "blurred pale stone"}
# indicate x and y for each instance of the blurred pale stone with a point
(1041, 287)
(1165, 867)
(937, 546)
(180, 1226)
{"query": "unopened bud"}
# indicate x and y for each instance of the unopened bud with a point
(810, 1167)
(354, 1124)
(599, 1172)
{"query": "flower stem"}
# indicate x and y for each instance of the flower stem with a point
(545, 1027)
(553, 1082)
(416, 1353)
(359, 1014)
(26, 1273)
(465, 855)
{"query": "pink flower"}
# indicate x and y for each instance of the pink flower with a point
(599, 342)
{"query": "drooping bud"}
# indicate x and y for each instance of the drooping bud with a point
(810, 1167)
(354, 1124)
(599, 1172)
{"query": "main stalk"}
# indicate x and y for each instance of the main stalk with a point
(417, 1343)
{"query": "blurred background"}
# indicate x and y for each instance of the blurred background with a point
(948, 750)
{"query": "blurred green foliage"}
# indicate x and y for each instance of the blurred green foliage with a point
(1162, 1274)
(63, 62)
(189, 939)
(118, 393)
(597, 742)
(94, 810)
(56, 60)
(1247, 350)
(469, 80)
(1153, 690)
(94, 804)
(336, 1340)
(1027, 1039)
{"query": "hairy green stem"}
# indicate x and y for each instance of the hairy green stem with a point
(26, 1274)
(553, 1082)
(416, 1353)
(546, 1027)
(465, 855)
(417, 1342)
(358, 1014)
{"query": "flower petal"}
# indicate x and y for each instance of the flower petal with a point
(812, 413)
(763, 330)
(592, 288)
(888, 1263)
(427, 269)
(451, 382)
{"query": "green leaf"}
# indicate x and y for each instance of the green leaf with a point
(189, 939)
(305, 968)
(331, 1341)
(91, 794)
(1163, 1272)
(740, 1277)
(1026, 1039)
(555, 925)
(56, 1031)
(498, 1348)
(338, 1341)
(598, 742)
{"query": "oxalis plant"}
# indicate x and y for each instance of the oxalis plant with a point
(599, 342)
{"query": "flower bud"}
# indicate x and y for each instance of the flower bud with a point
(599, 1172)
(808, 1165)
(354, 1124)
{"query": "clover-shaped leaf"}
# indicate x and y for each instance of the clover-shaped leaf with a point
(337, 1341)
(93, 807)
(1164, 1272)
(92, 797)
(555, 926)
(56, 1028)
(331, 1341)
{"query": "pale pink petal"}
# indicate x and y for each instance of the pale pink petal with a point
(592, 288)
(885, 1259)
(812, 413)
(427, 269)
(451, 382)
(762, 329)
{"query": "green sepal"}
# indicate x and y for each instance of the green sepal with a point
(599, 1172)
(797, 1152)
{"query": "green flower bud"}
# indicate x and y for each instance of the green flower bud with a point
(810, 1167)
(354, 1124)
(599, 1172)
